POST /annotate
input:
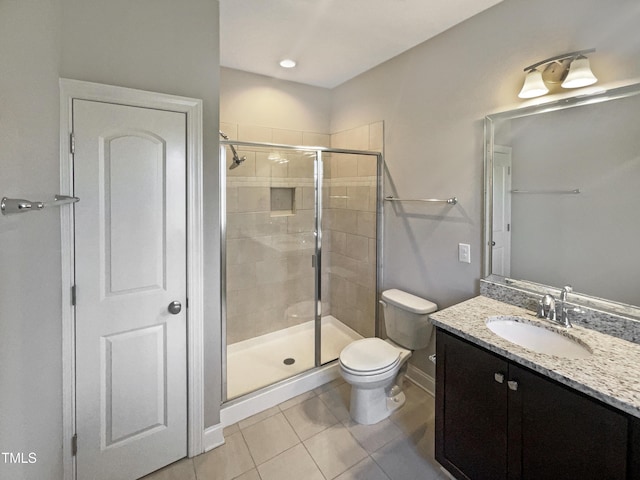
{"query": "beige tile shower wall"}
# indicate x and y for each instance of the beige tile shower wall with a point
(350, 225)
(270, 281)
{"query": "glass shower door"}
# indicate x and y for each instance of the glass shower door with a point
(349, 250)
(270, 277)
(299, 259)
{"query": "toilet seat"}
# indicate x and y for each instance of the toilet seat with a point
(369, 356)
(369, 373)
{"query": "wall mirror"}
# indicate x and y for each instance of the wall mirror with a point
(562, 196)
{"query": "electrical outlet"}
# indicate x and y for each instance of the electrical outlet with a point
(464, 253)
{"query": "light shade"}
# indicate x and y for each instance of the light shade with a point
(580, 74)
(533, 85)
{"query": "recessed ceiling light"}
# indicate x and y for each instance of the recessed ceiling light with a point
(288, 63)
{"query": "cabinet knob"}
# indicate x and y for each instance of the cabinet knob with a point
(498, 377)
(513, 385)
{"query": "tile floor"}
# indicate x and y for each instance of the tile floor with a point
(311, 437)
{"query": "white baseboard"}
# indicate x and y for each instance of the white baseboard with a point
(447, 474)
(213, 437)
(422, 380)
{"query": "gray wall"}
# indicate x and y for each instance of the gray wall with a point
(433, 99)
(157, 45)
(30, 330)
(252, 99)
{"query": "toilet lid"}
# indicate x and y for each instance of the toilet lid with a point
(369, 354)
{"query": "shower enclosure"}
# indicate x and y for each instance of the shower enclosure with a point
(300, 256)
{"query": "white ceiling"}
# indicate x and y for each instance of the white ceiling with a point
(332, 40)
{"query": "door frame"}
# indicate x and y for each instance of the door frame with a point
(192, 108)
(506, 150)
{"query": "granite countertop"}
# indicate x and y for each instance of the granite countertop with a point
(611, 374)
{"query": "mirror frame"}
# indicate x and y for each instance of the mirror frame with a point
(607, 306)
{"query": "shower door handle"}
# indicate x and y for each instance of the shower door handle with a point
(174, 307)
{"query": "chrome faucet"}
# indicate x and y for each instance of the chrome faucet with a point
(547, 308)
(564, 311)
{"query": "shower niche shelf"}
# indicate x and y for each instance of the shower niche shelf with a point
(283, 201)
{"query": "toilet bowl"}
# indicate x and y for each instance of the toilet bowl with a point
(371, 366)
(375, 368)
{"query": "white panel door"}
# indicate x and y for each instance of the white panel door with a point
(501, 249)
(130, 226)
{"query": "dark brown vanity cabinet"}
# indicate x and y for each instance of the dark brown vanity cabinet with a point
(496, 420)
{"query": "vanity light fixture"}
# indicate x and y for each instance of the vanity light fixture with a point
(570, 70)
(533, 85)
(287, 63)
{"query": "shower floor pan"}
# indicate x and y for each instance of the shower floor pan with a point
(267, 359)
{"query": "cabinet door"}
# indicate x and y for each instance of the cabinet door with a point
(634, 448)
(471, 410)
(558, 433)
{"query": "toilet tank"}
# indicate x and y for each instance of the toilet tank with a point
(406, 318)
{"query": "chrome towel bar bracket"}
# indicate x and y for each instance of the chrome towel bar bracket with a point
(10, 206)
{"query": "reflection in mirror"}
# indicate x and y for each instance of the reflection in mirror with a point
(563, 194)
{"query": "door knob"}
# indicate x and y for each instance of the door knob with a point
(513, 385)
(174, 307)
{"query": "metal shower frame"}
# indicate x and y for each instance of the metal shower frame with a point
(318, 177)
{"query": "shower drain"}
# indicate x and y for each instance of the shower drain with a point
(289, 361)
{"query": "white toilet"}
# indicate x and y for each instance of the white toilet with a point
(371, 365)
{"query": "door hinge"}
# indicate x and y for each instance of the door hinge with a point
(508, 227)
(72, 143)
(73, 295)
(313, 261)
(74, 445)
(508, 170)
(187, 303)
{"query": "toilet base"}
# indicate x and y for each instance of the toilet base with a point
(370, 406)
(395, 402)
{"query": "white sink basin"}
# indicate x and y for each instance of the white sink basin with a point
(537, 338)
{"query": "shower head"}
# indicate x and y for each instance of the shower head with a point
(236, 159)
